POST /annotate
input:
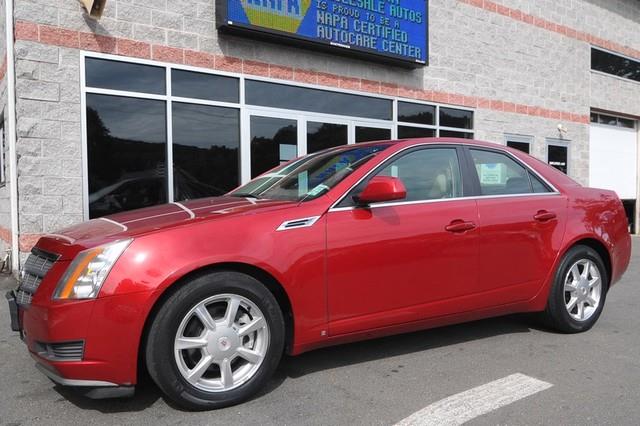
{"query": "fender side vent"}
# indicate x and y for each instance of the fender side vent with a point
(298, 223)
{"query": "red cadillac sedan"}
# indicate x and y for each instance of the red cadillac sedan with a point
(350, 243)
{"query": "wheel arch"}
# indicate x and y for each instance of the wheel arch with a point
(596, 245)
(264, 277)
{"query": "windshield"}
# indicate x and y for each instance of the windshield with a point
(311, 176)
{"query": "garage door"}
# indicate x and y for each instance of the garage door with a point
(613, 154)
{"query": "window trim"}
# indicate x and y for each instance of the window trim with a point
(244, 148)
(465, 170)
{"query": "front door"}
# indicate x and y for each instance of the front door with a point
(403, 261)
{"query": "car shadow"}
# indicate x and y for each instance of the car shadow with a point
(147, 394)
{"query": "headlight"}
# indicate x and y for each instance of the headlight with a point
(86, 274)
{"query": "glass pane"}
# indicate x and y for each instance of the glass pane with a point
(499, 174)
(406, 132)
(118, 75)
(197, 85)
(304, 99)
(416, 113)
(428, 174)
(325, 135)
(537, 185)
(206, 140)
(451, 134)
(273, 141)
(625, 122)
(520, 146)
(368, 134)
(126, 150)
(557, 157)
(615, 65)
(594, 117)
(451, 117)
(607, 119)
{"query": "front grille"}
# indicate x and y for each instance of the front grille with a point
(35, 268)
(67, 351)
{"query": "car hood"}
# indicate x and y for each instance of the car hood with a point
(67, 242)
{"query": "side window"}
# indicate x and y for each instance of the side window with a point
(428, 174)
(500, 175)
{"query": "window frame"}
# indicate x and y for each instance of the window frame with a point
(245, 111)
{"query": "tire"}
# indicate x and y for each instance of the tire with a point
(586, 289)
(200, 358)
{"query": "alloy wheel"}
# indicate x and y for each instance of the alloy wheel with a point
(582, 289)
(221, 343)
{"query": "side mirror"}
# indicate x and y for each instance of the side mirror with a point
(382, 188)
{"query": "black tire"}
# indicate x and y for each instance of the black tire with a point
(556, 314)
(159, 351)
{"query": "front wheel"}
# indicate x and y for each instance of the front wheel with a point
(216, 341)
(579, 291)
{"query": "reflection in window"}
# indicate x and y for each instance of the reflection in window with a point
(273, 141)
(325, 135)
(315, 100)
(406, 132)
(500, 175)
(118, 75)
(206, 140)
(451, 117)
(368, 134)
(416, 113)
(188, 84)
(126, 150)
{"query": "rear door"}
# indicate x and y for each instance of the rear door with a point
(521, 224)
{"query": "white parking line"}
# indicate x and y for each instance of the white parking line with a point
(464, 406)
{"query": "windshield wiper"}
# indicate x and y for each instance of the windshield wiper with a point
(244, 195)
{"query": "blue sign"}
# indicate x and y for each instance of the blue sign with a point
(395, 29)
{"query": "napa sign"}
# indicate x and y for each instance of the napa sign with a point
(395, 30)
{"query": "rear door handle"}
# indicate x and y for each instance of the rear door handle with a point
(459, 226)
(544, 216)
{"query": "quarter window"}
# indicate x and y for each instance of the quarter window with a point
(500, 175)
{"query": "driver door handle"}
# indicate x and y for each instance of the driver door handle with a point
(460, 226)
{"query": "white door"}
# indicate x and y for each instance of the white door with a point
(613, 159)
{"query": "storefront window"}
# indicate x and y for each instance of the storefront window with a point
(315, 100)
(115, 75)
(325, 135)
(206, 140)
(126, 153)
(151, 141)
(196, 85)
(273, 141)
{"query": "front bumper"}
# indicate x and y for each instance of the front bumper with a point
(110, 328)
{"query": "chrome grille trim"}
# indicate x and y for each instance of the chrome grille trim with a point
(35, 269)
(298, 223)
(62, 351)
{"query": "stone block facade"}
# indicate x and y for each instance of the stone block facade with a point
(524, 67)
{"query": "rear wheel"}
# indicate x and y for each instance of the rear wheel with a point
(579, 291)
(216, 341)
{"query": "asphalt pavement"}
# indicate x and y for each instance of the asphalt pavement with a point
(528, 376)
